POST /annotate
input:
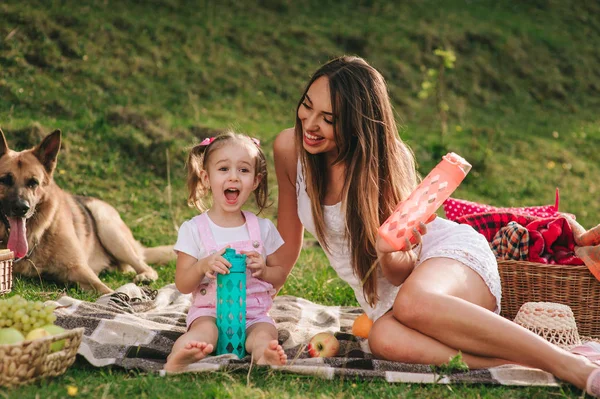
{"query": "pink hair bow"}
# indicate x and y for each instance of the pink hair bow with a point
(207, 141)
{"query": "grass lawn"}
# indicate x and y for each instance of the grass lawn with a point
(133, 85)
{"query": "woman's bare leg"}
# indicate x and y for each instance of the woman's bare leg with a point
(450, 303)
(391, 340)
(194, 345)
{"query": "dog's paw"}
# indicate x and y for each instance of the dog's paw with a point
(146, 277)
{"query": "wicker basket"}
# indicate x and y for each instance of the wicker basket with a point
(31, 360)
(6, 261)
(574, 286)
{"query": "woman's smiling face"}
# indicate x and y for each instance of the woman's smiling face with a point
(317, 118)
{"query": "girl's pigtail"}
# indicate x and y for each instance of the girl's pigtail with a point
(195, 164)
(262, 191)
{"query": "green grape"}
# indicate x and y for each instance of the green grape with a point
(18, 314)
(24, 315)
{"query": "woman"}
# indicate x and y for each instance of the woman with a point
(341, 171)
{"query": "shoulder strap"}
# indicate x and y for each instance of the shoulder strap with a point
(253, 227)
(206, 235)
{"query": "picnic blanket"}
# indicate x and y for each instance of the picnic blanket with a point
(136, 327)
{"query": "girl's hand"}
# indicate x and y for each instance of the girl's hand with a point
(383, 247)
(216, 264)
(255, 262)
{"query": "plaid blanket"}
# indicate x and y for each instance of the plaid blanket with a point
(511, 242)
(136, 327)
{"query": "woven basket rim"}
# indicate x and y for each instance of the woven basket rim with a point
(67, 333)
(542, 265)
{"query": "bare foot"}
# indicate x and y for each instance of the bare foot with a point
(273, 355)
(191, 353)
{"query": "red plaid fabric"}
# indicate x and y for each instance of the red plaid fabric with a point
(511, 242)
(489, 224)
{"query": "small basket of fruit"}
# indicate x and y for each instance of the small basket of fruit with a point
(31, 346)
(6, 263)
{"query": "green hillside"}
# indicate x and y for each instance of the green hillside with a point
(134, 84)
(127, 80)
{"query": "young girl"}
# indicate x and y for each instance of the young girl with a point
(341, 171)
(229, 167)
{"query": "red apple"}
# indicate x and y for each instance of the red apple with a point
(323, 344)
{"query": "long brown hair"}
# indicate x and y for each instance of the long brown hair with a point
(198, 160)
(379, 167)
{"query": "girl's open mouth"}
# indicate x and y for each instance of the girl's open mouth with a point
(231, 195)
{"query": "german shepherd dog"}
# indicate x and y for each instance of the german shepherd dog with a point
(60, 236)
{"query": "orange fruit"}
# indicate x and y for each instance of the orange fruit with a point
(362, 325)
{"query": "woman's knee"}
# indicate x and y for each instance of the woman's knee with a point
(380, 341)
(377, 340)
(414, 306)
(388, 342)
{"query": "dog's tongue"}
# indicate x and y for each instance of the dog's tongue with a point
(17, 242)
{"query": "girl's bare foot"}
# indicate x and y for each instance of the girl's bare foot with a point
(273, 355)
(191, 353)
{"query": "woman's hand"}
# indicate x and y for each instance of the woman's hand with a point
(398, 264)
(384, 247)
(256, 263)
(215, 264)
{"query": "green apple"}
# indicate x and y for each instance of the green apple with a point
(37, 333)
(55, 330)
(10, 336)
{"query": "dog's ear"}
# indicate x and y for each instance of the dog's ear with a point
(47, 150)
(3, 145)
